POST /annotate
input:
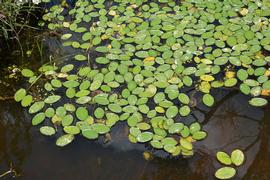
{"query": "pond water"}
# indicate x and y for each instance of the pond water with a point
(231, 123)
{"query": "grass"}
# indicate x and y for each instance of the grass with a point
(14, 19)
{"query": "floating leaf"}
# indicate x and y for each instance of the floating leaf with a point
(27, 100)
(176, 128)
(47, 130)
(186, 144)
(224, 158)
(39, 118)
(144, 137)
(172, 112)
(19, 95)
(237, 157)
(100, 128)
(258, 102)
(52, 99)
(99, 113)
(82, 113)
(27, 73)
(37, 106)
(64, 140)
(72, 130)
(80, 57)
(225, 173)
(208, 100)
(199, 135)
(89, 133)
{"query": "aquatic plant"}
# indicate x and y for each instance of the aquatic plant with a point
(138, 61)
(237, 158)
(15, 17)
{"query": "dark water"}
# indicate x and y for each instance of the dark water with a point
(230, 124)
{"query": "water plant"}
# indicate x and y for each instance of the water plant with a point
(236, 158)
(140, 61)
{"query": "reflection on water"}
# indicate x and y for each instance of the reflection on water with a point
(231, 124)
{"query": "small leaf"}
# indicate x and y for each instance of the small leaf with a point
(37, 106)
(258, 102)
(64, 140)
(208, 100)
(27, 73)
(144, 137)
(224, 158)
(80, 57)
(39, 118)
(19, 95)
(225, 173)
(52, 99)
(237, 157)
(47, 130)
(26, 101)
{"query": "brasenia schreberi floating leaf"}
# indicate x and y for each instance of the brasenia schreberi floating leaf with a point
(225, 173)
(237, 157)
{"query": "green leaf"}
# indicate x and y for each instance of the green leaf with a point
(194, 127)
(26, 101)
(100, 128)
(39, 118)
(47, 130)
(115, 108)
(99, 113)
(37, 106)
(19, 95)
(172, 112)
(52, 99)
(27, 73)
(258, 102)
(224, 158)
(186, 144)
(144, 137)
(176, 128)
(72, 130)
(225, 173)
(237, 157)
(82, 113)
(80, 57)
(208, 100)
(64, 140)
(199, 135)
(89, 133)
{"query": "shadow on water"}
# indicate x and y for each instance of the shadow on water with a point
(231, 124)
